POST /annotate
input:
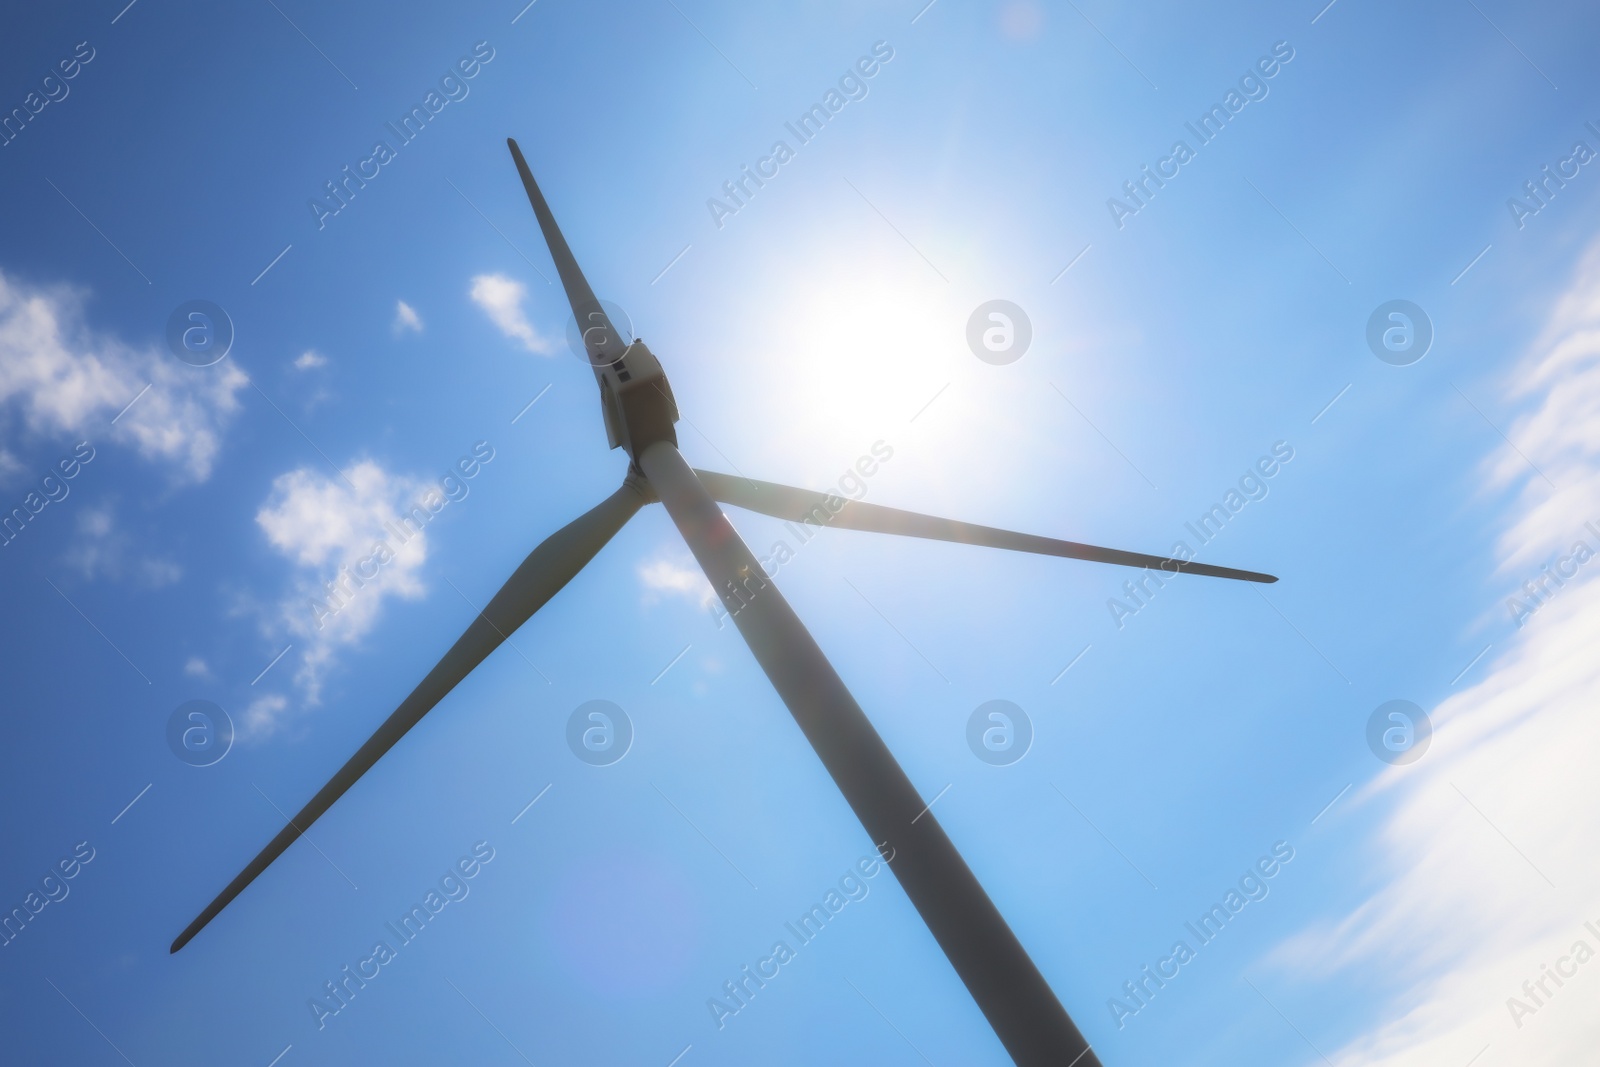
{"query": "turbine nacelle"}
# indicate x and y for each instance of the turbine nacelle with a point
(635, 400)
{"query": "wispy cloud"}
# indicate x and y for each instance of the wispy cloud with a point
(406, 318)
(1486, 854)
(66, 378)
(101, 548)
(310, 359)
(349, 556)
(263, 717)
(674, 576)
(501, 299)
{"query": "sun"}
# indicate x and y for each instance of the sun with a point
(860, 350)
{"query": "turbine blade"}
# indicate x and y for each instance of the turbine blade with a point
(803, 505)
(600, 338)
(1002, 979)
(546, 570)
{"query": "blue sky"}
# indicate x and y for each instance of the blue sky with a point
(374, 351)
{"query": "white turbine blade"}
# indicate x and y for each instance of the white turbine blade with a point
(546, 570)
(824, 509)
(985, 953)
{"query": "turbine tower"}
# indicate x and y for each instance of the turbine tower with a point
(639, 411)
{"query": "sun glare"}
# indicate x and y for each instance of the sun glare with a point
(861, 353)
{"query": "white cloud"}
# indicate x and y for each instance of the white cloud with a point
(1507, 796)
(501, 299)
(10, 467)
(310, 358)
(65, 378)
(354, 546)
(674, 576)
(263, 717)
(195, 667)
(406, 318)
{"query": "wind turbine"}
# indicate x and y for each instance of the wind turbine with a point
(639, 412)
